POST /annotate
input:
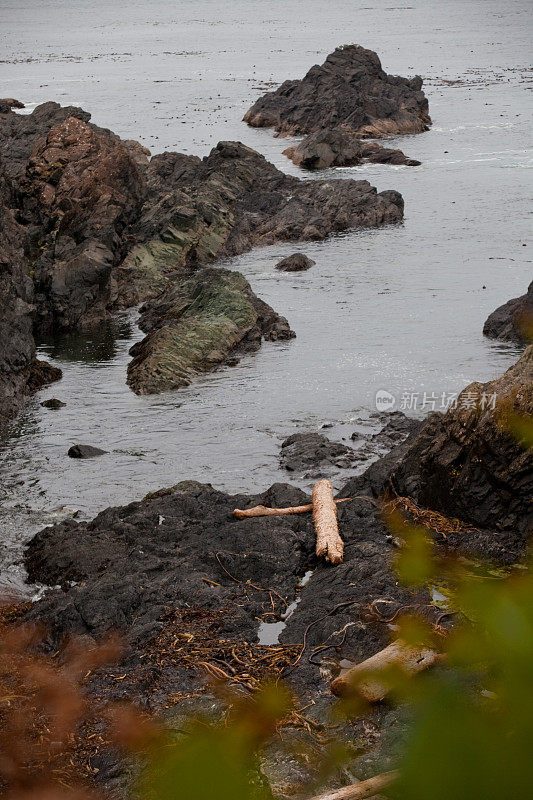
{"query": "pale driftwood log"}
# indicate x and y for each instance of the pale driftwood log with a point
(265, 511)
(328, 541)
(362, 790)
(398, 654)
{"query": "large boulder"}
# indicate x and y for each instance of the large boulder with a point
(468, 463)
(335, 147)
(513, 321)
(196, 325)
(349, 89)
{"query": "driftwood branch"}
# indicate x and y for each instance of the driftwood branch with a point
(364, 677)
(328, 541)
(362, 790)
(265, 511)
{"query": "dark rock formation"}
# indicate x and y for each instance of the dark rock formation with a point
(53, 403)
(467, 463)
(178, 561)
(303, 451)
(349, 89)
(335, 147)
(92, 226)
(20, 372)
(82, 188)
(295, 263)
(17, 348)
(20, 133)
(84, 451)
(7, 103)
(233, 200)
(41, 374)
(396, 428)
(512, 322)
(196, 325)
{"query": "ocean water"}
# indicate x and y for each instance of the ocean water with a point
(400, 308)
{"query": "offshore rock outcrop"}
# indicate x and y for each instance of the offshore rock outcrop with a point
(94, 226)
(513, 321)
(350, 89)
(198, 324)
(470, 463)
(232, 200)
(334, 147)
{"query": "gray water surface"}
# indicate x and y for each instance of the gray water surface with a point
(400, 308)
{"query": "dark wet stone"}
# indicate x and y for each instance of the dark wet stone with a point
(85, 451)
(53, 402)
(303, 451)
(513, 321)
(297, 262)
(335, 147)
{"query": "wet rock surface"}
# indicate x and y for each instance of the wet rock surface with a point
(335, 147)
(469, 463)
(513, 321)
(84, 450)
(198, 324)
(350, 89)
(297, 262)
(53, 403)
(312, 451)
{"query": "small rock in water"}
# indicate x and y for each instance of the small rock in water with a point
(85, 451)
(302, 451)
(53, 402)
(297, 262)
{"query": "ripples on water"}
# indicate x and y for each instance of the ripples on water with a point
(399, 308)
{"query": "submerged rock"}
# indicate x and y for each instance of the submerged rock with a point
(350, 89)
(468, 463)
(85, 451)
(513, 321)
(335, 147)
(197, 325)
(298, 262)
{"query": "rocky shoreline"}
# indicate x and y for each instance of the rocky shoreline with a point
(120, 571)
(90, 224)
